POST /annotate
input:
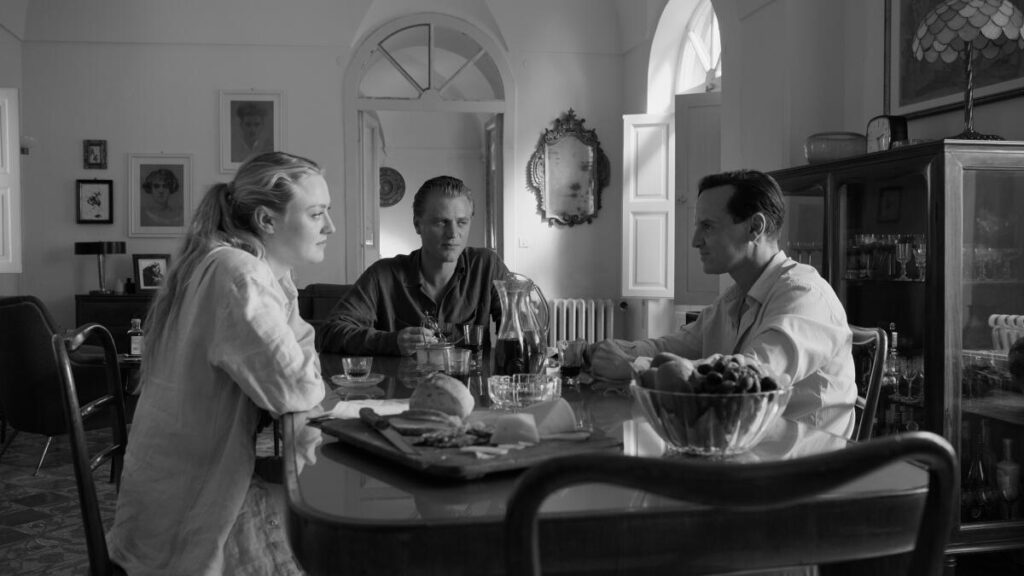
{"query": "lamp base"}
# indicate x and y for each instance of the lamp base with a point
(970, 134)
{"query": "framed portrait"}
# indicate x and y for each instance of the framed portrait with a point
(159, 194)
(251, 122)
(94, 154)
(94, 201)
(889, 200)
(920, 88)
(150, 270)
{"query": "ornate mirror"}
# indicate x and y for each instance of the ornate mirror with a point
(567, 172)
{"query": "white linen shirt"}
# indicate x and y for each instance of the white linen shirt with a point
(236, 345)
(793, 323)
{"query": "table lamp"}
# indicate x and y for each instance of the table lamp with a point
(100, 249)
(965, 29)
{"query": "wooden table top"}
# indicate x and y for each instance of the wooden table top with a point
(354, 512)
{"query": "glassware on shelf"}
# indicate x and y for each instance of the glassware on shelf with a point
(1008, 482)
(903, 254)
(919, 251)
(979, 494)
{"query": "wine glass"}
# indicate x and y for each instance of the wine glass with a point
(903, 251)
(919, 254)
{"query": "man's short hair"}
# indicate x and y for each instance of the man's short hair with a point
(446, 186)
(753, 192)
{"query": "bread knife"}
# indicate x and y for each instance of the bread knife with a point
(381, 424)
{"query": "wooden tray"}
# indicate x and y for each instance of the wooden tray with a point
(453, 463)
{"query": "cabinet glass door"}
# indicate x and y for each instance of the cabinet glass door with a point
(803, 231)
(992, 318)
(882, 240)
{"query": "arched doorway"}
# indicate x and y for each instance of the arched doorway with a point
(423, 82)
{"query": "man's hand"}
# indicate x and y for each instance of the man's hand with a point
(609, 363)
(409, 337)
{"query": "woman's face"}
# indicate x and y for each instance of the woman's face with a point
(160, 191)
(300, 234)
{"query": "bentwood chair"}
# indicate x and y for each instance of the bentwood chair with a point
(29, 385)
(743, 488)
(870, 349)
(112, 402)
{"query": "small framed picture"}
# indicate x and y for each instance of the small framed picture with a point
(94, 154)
(150, 270)
(889, 204)
(251, 122)
(95, 202)
(159, 194)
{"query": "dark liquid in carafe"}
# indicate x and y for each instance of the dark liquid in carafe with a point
(511, 358)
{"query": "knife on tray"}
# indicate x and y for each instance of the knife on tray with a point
(381, 424)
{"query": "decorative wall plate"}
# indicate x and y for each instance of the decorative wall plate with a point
(392, 186)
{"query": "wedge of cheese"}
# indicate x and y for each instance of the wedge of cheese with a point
(552, 417)
(514, 428)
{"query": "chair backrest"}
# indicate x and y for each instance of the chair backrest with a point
(113, 403)
(870, 349)
(735, 486)
(28, 375)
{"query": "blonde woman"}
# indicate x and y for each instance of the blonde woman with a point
(224, 343)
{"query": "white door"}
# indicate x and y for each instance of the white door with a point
(10, 183)
(698, 153)
(372, 150)
(648, 205)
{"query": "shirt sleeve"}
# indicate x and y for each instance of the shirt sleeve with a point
(609, 360)
(257, 346)
(799, 334)
(350, 327)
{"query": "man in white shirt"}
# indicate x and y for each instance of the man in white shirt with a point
(780, 312)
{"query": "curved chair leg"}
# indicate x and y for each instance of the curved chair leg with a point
(46, 448)
(8, 442)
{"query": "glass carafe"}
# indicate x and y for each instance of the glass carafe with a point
(522, 337)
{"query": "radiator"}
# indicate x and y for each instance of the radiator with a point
(579, 319)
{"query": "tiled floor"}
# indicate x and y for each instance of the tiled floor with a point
(41, 527)
(40, 522)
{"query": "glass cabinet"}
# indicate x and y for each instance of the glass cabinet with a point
(927, 242)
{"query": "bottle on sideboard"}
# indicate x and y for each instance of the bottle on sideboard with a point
(129, 285)
(136, 338)
(1008, 482)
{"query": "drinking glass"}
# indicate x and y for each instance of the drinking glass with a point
(903, 250)
(473, 340)
(457, 364)
(570, 357)
(919, 254)
(357, 367)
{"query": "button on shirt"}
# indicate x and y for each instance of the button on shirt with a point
(389, 296)
(235, 345)
(791, 321)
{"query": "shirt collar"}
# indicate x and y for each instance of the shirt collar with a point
(412, 269)
(759, 291)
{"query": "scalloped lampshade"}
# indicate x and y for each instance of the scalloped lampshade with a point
(965, 29)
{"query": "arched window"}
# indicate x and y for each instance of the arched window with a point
(700, 56)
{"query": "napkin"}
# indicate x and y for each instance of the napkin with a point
(384, 407)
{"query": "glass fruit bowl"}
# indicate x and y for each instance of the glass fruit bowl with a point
(711, 424)
(828, 146)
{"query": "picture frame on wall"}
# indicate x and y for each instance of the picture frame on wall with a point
(889, 203)
(94, 154)
(159, 194)
(94, 201)
(150, 270)
(251, 122)
(916, 88)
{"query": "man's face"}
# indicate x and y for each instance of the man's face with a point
(251, 127)
(444, 226)
(723, 244)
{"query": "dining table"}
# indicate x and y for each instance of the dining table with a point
(349, 511)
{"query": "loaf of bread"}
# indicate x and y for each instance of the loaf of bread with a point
(442, 393)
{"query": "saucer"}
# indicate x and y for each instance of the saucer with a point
(343, 381)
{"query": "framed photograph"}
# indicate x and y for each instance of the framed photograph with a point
(159, 194)
(889, 200)
(94, 154)
(251, 122)
(919, 88)
(95, 202)
(150, 270)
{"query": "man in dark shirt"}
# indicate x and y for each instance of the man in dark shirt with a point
(383, 313)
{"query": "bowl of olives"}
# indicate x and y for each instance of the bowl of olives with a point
(719, 406)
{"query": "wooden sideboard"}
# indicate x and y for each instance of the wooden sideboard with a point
(115, 312)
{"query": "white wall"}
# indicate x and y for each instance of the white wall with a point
(11, 27)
